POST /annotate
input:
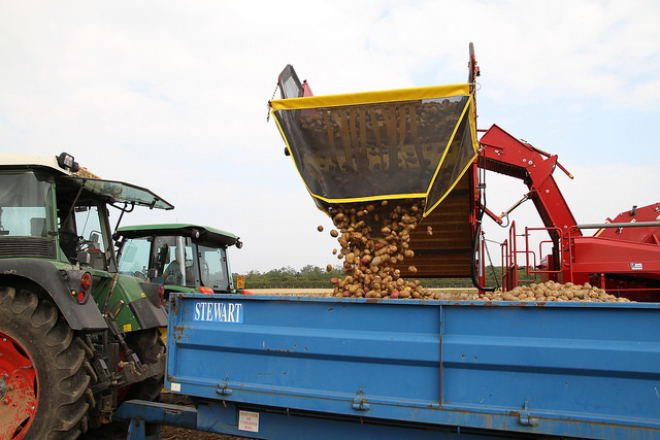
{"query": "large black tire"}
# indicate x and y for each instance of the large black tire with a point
(149, 347)
(43, 367)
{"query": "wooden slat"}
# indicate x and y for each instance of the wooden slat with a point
(446, 253)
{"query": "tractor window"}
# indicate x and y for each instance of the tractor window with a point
(175, 260)
(25, 206)
(134, 259)
(90, 236)
(88, 226)
(213, 267)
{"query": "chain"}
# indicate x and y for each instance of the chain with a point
(268, 107)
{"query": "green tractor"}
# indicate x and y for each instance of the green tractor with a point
(184, 257)
(76, 336)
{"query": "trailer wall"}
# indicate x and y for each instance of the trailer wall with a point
(572, 369)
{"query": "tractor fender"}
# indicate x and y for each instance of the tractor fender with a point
(47, 278)
(142, 310)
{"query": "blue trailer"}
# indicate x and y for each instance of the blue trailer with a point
(282, 367)
(371, 366)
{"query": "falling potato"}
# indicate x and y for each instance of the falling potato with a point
(372, 238)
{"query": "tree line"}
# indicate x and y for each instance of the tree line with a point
(311, 277)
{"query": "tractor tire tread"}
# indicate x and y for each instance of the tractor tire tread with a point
(44, 334)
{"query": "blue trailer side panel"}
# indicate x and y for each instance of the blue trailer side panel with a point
(575, 369)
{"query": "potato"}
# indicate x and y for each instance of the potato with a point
(553, 291)
(373, 237)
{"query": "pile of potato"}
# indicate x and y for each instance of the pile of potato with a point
(553, 291)
(372, 238)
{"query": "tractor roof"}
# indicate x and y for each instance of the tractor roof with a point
(69, 174)
(113, 191)
(197, 232)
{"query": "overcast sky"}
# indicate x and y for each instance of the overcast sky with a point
(173, 96)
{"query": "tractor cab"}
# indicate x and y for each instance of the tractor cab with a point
(184, 257)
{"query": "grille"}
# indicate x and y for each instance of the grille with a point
(26, 247)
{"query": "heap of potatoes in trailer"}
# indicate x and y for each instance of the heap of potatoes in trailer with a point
(376, 235)
(553, 291)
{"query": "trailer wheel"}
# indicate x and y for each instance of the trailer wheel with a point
(43, 383)
(150, 349)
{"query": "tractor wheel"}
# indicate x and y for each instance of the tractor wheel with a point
(43, 384)
(150, 349)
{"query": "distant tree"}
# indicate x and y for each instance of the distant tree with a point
(309, 276)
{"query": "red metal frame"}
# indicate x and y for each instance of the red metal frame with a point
(510, 260)
(625, 263)
(530, 267)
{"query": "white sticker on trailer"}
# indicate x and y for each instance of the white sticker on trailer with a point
(248, 421)
(212, 311)
(636, 266)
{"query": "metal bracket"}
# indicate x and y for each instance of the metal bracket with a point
(223, 388)
(360, 402)
(526, 419)
(132, 374)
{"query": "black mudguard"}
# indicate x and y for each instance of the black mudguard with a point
(152, 291)
(147, 314)
(28, 273)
